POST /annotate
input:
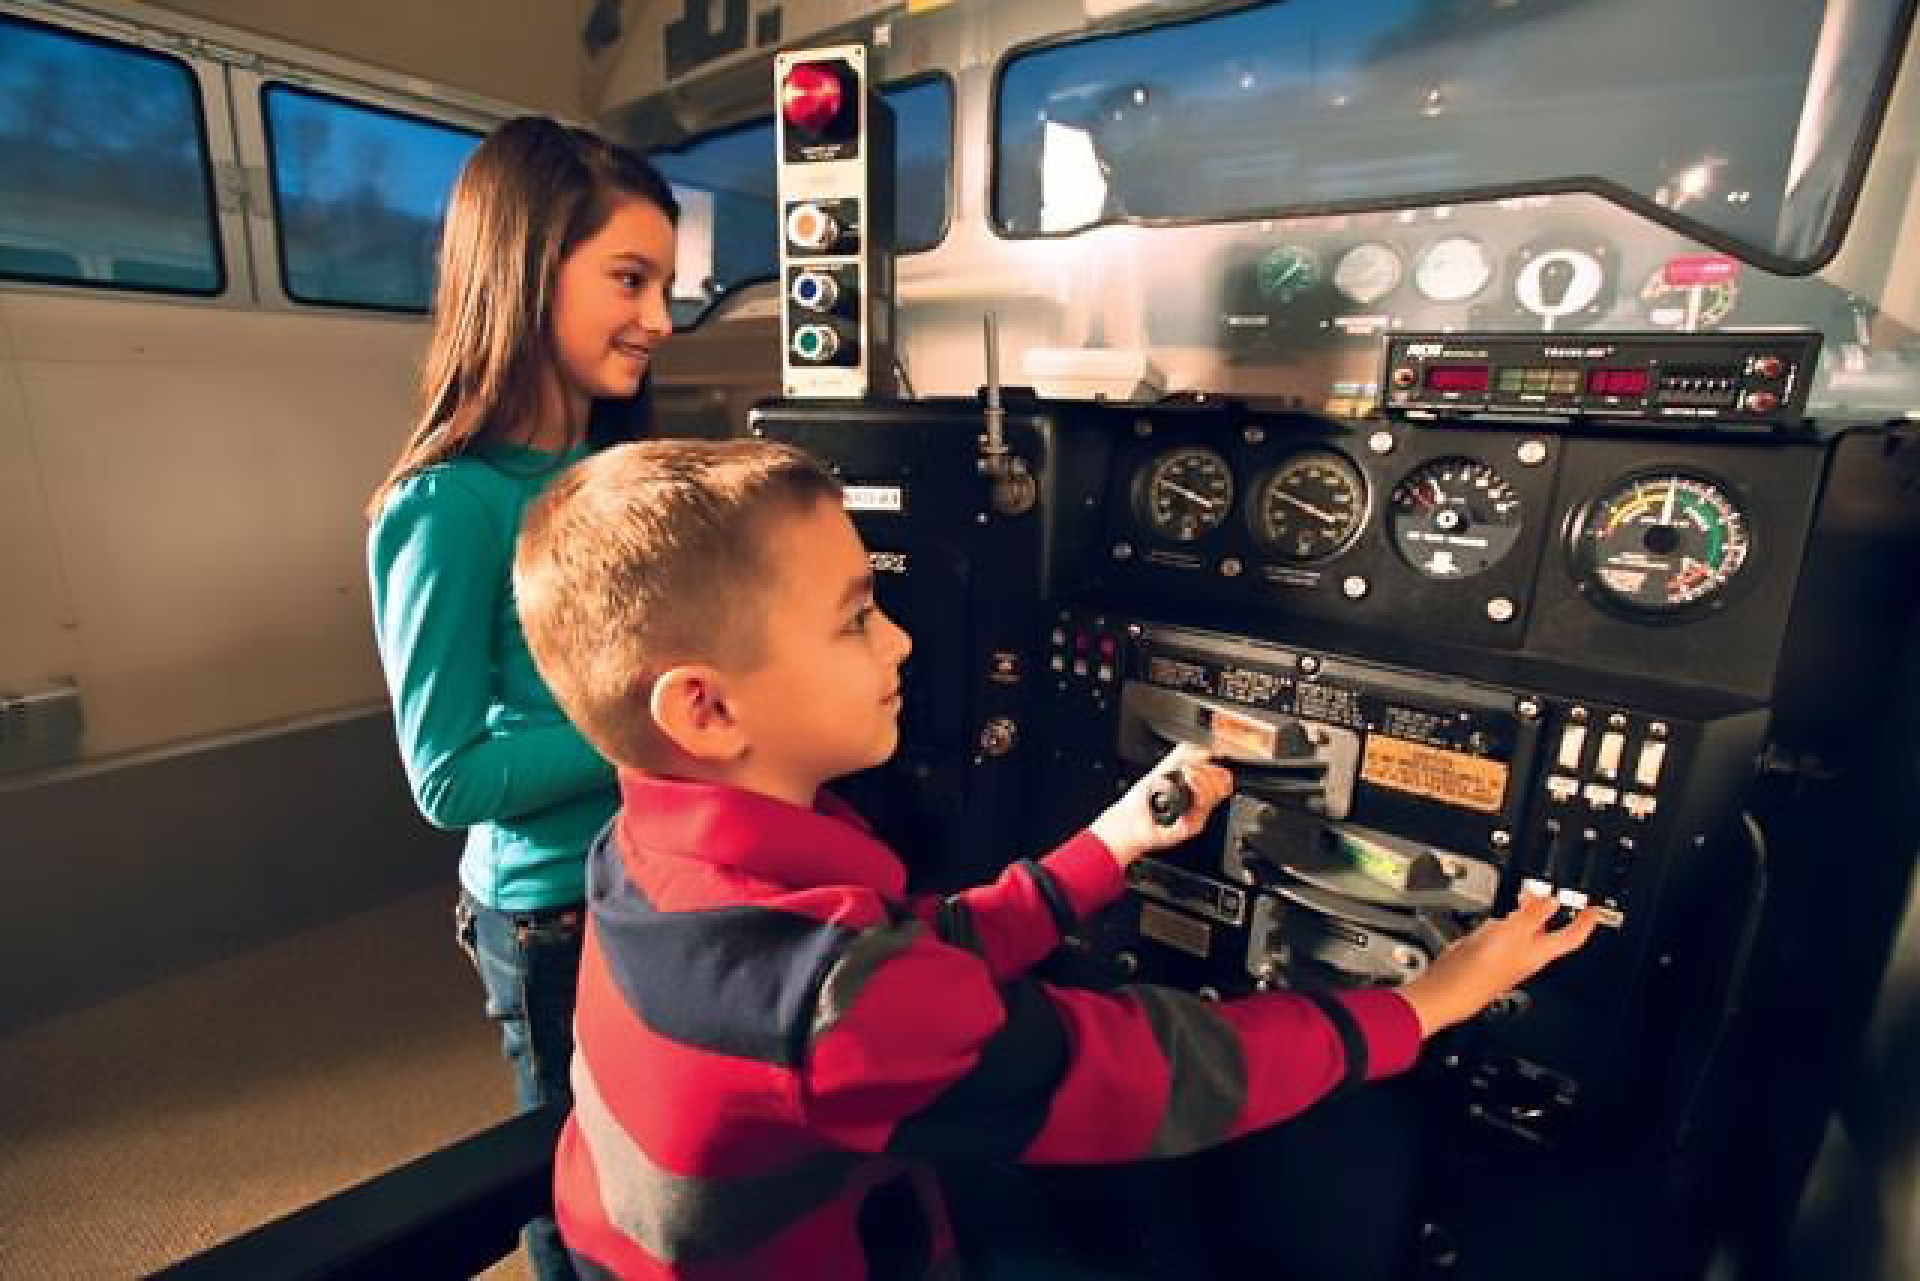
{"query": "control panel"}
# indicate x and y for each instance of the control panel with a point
(1728, 380)
(835, 193)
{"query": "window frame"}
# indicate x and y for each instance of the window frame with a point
(212, 130)
(274, 224)
(1846, 199)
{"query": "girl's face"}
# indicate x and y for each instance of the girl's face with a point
(610, 304)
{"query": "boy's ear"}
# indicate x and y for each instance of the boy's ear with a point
(689, 705)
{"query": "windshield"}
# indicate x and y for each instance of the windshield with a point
(1745, 131)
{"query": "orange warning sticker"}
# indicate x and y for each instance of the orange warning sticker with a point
(1455, 778)
(1230, 734)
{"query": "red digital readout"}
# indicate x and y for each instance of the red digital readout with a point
(1617, 382)
(1457, 378)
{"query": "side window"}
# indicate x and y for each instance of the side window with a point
(104, 178)
(725, 184)
(359, 194)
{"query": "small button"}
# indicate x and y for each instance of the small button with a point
(1562, 788)
(1106, 672)
(1639, 807)
(1600, 796)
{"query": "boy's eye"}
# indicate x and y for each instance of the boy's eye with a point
(861, 617)
(630, 279)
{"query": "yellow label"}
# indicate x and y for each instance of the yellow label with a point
(1231, 734)
(1456, 778)
(1195, 938)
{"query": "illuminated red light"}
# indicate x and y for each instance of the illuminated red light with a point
(1457, 378)
(811, 96)
(1617, 382)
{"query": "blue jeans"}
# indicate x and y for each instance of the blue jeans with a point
(529, 963)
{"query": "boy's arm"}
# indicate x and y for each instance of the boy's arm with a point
(1016, 921)
(1030, 1072)
(438, 569)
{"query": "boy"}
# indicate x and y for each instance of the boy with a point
(770, 1040)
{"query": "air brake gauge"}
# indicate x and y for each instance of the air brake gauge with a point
(1183, 494)
(1453, 269)
(1309, 508)
(1455, 518)
(1662, 544)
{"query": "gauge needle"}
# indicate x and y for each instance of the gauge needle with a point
(1325, 518)
(1666, 513)
(1184, 492)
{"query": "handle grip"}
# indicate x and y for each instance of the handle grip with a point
(1169, 798)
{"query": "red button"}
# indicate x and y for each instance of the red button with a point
(811, 97)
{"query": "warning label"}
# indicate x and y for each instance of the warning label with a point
(1454, 778)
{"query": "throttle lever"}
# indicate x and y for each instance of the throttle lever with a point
(1168, 799)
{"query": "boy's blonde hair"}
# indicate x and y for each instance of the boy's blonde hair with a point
(648, 555)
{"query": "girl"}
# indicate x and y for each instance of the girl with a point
(552, 296)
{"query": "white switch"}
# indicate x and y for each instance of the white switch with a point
(1612, 747)
(1646, 771)
(1573, 741)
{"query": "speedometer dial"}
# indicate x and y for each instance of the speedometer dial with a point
(1662, 543)
(1183, 494)
(1310, 507)
(1455, 518)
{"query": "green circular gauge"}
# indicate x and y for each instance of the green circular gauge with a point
(1286, 272)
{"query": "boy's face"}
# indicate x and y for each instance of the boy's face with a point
(826, 699)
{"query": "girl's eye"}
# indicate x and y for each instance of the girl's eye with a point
(860, 619)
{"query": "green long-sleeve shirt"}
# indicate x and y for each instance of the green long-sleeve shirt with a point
(485, 746)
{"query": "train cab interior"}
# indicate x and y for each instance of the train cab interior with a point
(1492, 426)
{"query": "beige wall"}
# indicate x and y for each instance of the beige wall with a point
(522, 51)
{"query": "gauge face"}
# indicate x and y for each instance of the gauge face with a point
(1454, 518)
(1453, 270)
(1184, 494)
(1287, 272)
(1561, 282)
(1664, 543)
(1368, 272)
(1309, 508)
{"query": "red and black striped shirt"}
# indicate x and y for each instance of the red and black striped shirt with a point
(772, 1041)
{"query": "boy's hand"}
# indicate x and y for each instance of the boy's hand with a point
(1130, 828)
(1497, 957)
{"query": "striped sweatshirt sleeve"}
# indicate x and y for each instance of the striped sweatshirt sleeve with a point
(1015, 922)
(1026, 1071)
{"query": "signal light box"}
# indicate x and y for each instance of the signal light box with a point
(835, 185)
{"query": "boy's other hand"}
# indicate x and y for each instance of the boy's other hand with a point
(1496, 958)
(1130, 828)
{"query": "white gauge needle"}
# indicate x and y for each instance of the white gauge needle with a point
(1325, 518)
(1666, 513)
(1184, 492)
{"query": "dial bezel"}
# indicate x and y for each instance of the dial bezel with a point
(1584, 566)
(1146, 476)
(1263, 485)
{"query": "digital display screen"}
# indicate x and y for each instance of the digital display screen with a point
(1544, 380)
(1457, 378)
(1617, 382)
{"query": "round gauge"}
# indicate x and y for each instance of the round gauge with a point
(1561, 282)
(1309, 507)
(1454, 518)
(1183, 493)
(1662, 543)
(1368, 272)
(1287, 272)
(1453, 270)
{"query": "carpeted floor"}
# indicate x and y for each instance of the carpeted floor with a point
(152, 1126)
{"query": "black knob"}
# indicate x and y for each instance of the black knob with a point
(1169, 799)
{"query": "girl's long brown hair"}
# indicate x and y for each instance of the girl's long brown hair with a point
(533, 190)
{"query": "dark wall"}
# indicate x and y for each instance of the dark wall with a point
(118, 877)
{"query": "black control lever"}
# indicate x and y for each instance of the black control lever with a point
(1169, 798)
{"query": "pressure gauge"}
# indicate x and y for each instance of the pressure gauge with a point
(1368, 272)
(1183, 494)
(1453, 269)
(1309, 508)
